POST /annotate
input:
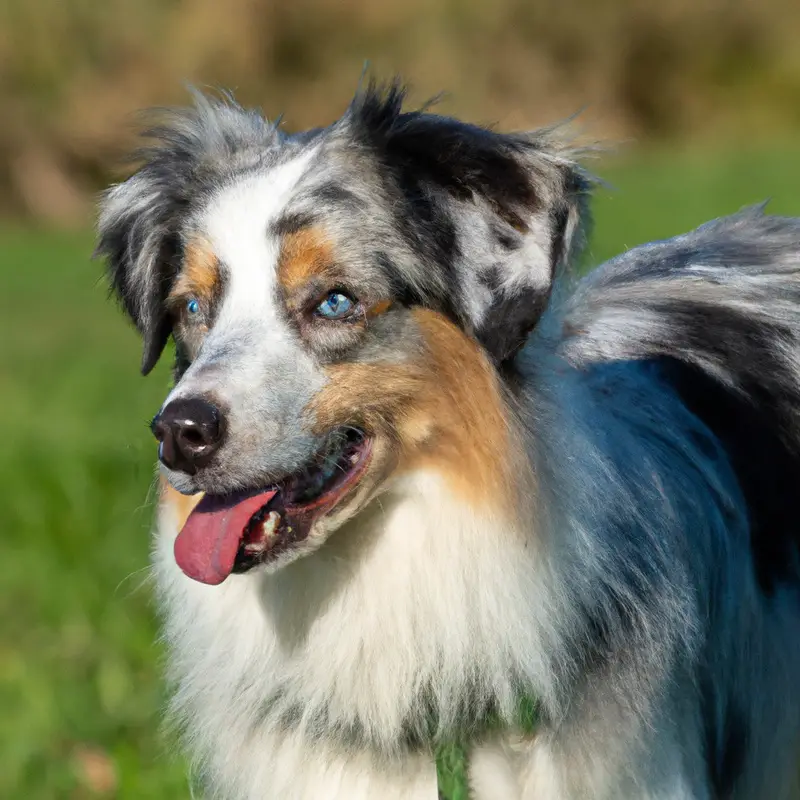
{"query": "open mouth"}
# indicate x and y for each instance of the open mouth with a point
(239, 531)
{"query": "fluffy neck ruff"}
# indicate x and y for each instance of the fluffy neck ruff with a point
(363, 644)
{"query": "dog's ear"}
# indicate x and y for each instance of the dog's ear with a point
(140, 223)
(494, 215)
(138, 235)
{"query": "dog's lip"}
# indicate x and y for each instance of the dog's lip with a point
(327, 499)
(236, 532)
(294, 521)
(362, 449)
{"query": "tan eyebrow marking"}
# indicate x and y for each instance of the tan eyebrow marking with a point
(200, 274)
(303, 255)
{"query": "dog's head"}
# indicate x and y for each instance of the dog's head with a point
(340, 301)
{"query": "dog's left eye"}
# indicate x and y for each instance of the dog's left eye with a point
(335, 306)
(192, 306)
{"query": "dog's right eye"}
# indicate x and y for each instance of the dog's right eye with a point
(192, 306)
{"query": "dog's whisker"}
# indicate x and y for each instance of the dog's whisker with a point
(146, 574)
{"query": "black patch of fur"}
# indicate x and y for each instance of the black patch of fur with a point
(426, 221)
(509, 322)
(726, 741)
(427, 226)
(406, 294)
(293, 222)
(756, 424)
(464, 160)
(768, 472)
(511, 318)
(559, 216)
(337, 194)
(119, 242)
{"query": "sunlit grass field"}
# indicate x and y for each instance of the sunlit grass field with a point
(80, 695)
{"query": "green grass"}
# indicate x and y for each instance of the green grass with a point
(79, 663)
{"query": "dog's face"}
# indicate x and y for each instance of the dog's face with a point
(340, 301)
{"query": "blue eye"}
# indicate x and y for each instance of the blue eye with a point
(335, 306)
(192, 306)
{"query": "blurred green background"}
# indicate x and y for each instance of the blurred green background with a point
(701, 98)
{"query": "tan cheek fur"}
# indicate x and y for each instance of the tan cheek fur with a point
(445, 411)
(182, 504)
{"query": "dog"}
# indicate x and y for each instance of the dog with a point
(415, 476)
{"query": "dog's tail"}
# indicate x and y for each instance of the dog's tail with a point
(719, 309)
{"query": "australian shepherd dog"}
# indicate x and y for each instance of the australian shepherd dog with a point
(414, 477)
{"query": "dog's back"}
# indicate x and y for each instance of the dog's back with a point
(682, 398)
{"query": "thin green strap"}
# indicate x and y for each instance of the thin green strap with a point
(452, 757)
(451, 771)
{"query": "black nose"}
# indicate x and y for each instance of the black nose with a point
(190, 430)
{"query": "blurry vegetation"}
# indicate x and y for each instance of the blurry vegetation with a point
(73, 71)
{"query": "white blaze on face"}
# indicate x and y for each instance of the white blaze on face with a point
(237, 226)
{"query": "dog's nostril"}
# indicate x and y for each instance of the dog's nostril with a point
(159, 429)
(194, 437)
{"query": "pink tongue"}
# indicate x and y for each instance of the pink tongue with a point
(206, 546)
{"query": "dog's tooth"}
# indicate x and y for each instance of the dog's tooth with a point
(270, 525)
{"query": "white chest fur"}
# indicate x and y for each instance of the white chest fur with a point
(307, 678)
